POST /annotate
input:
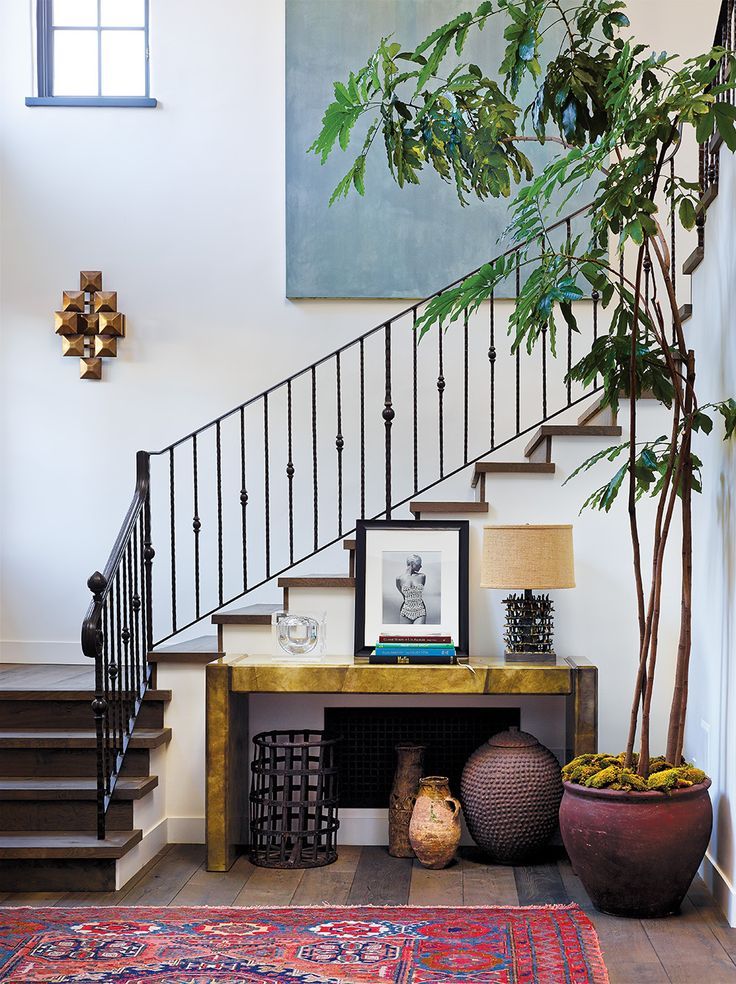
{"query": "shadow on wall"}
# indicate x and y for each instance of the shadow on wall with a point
(727, 523)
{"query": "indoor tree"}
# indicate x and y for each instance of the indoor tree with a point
(618, 110)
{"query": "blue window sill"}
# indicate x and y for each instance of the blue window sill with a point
(132, 102)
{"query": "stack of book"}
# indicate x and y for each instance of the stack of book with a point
(428, 650)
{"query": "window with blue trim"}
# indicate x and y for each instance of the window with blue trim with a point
(93, 53)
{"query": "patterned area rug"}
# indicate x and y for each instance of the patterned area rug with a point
(397, 945)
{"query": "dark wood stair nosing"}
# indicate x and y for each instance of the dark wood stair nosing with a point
(570, 430)
(708, 197)
(250, 615)
(694, 260)
(511, 468)
(686, 312)
(434, 506)
(317, 581)
(76, 738)
(71, 788)
(60, 844)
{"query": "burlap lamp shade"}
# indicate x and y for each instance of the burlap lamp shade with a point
(538, 558)
(527, 558)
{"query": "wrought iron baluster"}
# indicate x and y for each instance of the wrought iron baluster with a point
(595, 297)
(388, 414)
(243, 500)
(362, 429)
(218, 470)
(104, 623)
(700, 216)
(339, 442)
(465, 387)
(119, 674)
(172, 531)
(492, 365)
(315, 487)
(196, 525)
(415, 397)
(112, 672)
(568, 234)
(441, 397)
(290, 470)
(97, 585)
(518, 352)
(136, 609)
(266, 485)
(125, 635)
(647, 265)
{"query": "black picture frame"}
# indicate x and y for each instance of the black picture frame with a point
(364, 527)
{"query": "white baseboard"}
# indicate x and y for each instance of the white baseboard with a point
(186, 830)
(39, 651)
(720, 887)
(154, 841)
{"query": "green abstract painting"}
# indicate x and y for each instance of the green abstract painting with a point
(393, 242)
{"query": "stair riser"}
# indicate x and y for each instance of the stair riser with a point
(67, 714)
(15, 762)
(62, 815)
(57, 875)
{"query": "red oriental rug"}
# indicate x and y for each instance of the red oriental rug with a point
(320, 945)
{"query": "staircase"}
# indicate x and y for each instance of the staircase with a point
(48, 784)
(244, 501)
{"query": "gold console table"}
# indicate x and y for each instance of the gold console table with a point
(231, 681)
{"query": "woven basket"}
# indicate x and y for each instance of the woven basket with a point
(293, 800)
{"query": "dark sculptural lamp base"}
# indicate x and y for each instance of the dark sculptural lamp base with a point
(529, 628)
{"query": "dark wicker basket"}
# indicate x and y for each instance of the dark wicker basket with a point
(293, 800)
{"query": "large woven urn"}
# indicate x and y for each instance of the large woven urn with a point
(510, 791)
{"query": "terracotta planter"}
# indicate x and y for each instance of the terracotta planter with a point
(434, 830)
(403, 797)
(636, 853)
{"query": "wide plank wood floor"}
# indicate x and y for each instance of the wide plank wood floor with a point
(696, 946)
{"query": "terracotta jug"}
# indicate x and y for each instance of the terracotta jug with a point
(434, 831)
(403, 797)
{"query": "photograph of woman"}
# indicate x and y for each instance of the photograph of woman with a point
(411, 588)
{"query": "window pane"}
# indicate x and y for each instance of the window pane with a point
(75, 63)
(122, 13)
(75, 13)
(123, 63)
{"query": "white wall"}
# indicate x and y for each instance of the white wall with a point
(711, 730)
(182, 208)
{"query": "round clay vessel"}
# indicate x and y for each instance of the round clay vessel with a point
(511, 790)
(434, 830)
(403, 797)
(636, 853)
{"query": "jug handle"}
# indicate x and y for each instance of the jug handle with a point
(453, 803)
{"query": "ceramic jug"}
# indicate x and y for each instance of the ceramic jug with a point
(434, 830)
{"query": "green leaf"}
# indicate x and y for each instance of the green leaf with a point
(687, 213)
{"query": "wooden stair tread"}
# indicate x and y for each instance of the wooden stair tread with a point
(203, 649)
(250, 615)
(709, 196)
(348, 544)
(694, 260)
(71, 695)
(570, 430)
(512, 468)
(73, 788)
(429, 505)
(67, 844)
(318, 581)
(686, 312)
(36, 738)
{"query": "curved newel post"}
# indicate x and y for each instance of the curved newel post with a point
(92, 647)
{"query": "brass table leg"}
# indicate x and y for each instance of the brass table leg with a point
(582, 712)
(227, 769)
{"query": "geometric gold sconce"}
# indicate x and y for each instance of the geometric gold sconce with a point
(90, 324)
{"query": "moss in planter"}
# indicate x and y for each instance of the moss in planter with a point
(608, 772)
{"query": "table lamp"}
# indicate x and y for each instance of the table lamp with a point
(527, 558)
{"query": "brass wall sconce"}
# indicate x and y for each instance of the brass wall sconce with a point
(90, 324)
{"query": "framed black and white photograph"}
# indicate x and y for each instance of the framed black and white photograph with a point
(411, 580)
